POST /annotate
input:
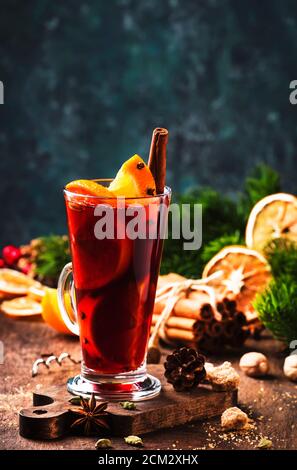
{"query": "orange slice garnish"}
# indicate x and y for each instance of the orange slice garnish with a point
(89, 188)
(134, 179)
(21, 307)
(238, 273)
(273, 217)
(14, 283)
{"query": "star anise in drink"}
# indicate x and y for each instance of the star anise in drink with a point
(90, 416)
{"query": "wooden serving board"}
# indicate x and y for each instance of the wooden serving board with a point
(49, 417)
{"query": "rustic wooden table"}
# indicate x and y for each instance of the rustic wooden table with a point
(270, 403)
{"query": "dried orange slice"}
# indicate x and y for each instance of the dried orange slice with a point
(51, 312)
(89, 188)
(273, 217)
(239, 273)
(14, 283)
(134, 179)
(21, 307)
(36, 293)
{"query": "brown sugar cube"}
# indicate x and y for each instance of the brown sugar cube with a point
(223, 377)
(233, 418)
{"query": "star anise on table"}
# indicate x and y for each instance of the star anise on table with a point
(91, 417)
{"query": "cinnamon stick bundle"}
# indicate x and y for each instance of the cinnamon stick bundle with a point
(231, 329)
(188, 307)
(177, 322)
(179, 336)
(194, 316)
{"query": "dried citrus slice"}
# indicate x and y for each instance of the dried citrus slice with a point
(36, 293)
(134, 179)
(241, 274)
(21, 307)
(13, 283)
(275, 216)
(51, 312)
(89, 188)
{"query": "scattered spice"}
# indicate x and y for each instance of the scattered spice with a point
(153, 355)
(103, 444)
(134, 441)
(140, 165)
(150, 191)
(90, 417)
(75, 401)
(128, 405)
(264, 443)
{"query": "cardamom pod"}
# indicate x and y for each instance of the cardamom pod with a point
(134, 441)
(103, 444)
(128, 405)
(264, 443)
(75, 401)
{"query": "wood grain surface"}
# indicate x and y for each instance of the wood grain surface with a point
(270, 403)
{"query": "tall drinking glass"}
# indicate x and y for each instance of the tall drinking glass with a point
(116, 246)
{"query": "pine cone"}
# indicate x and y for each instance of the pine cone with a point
(184, 369)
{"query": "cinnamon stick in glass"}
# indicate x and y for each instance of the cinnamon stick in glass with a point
(157, 157)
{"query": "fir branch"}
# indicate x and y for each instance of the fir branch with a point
(214, 246)
(282, 257)
(262, 182)
(277, 308)
(52, 256)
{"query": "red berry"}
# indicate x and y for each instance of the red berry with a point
(11, 254)
(26, 268)
(2, 263)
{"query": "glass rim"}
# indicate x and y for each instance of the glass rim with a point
(167, 191)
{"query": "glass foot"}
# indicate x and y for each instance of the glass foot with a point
(144, 389)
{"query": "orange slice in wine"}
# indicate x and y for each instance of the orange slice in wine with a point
(238, 272)
(275, 216)
(134, 179)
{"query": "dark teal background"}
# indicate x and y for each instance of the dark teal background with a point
(87, 81)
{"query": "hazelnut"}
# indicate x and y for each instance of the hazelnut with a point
(290, 367)
(254, 364)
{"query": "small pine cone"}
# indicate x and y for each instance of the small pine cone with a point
(184, 369)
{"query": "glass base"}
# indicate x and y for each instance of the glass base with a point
(145, 388)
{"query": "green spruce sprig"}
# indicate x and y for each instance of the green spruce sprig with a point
(214, 246)
(277, 307)
(262, 182)
(53, 254)
(282, 257)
